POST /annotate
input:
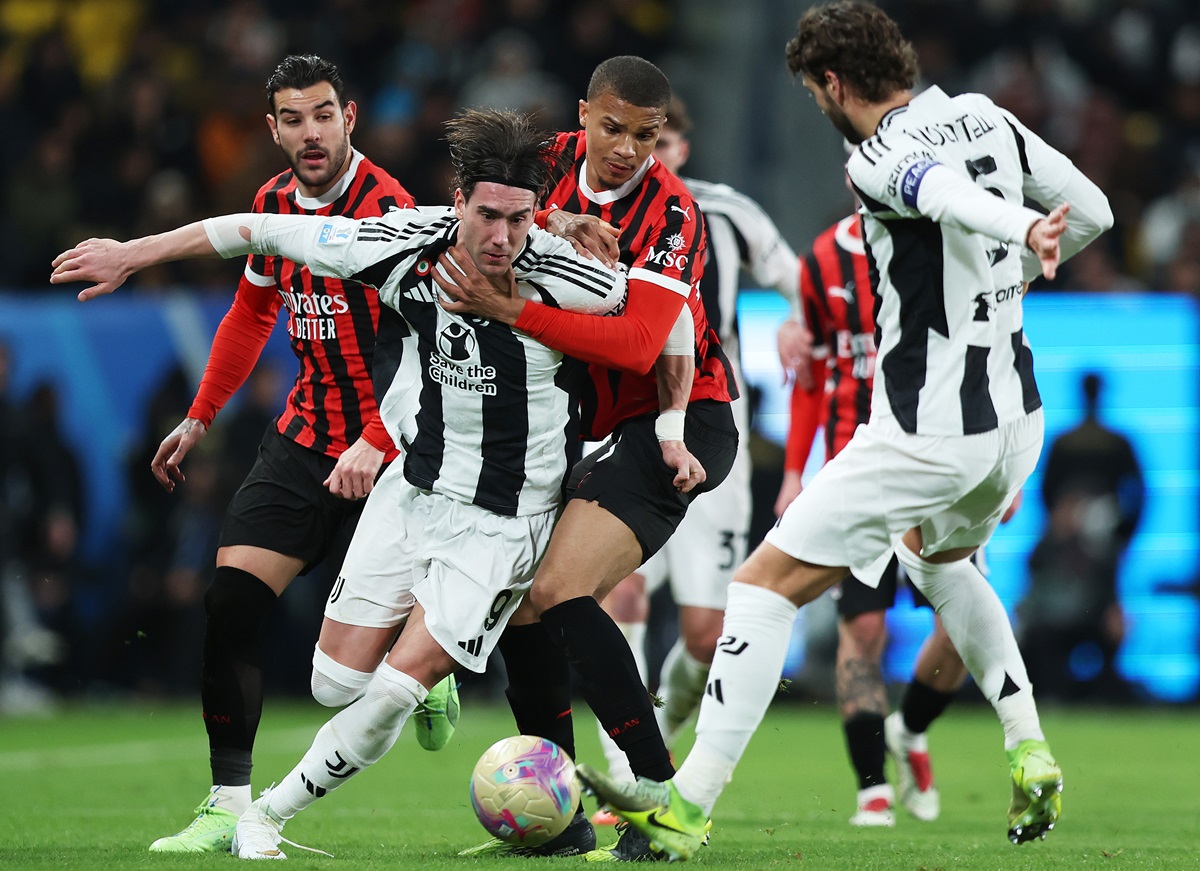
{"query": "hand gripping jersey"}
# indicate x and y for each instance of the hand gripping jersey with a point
(942, 185)
(838, 302)
(662, 243)
(331, 322)
(475, 402)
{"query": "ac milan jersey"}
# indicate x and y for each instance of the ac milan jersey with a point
(331, 322)
(476, 404)
(838, 302)
(662, 241)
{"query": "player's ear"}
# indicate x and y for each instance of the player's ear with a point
(350, 113)
(460, 203)
(583, 107)
(274, 125)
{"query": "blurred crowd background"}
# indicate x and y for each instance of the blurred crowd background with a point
(127, 117)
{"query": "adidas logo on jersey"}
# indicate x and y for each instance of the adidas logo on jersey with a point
(474, 646)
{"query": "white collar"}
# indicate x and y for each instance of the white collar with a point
(331, 195)
(604, 198)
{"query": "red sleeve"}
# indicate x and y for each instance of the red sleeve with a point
(235, 349)
(631, 341)
(377, 436)
(806, 412)
(539, 217)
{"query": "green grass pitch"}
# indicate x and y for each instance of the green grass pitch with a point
(93, 786)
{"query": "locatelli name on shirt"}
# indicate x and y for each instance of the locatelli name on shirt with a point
(473, 378)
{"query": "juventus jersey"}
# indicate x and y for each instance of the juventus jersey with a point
(474, 402)
(740, 236)
(942, 184)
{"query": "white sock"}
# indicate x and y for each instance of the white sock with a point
(978, 625)
(354, 739)
(635, 634)
(681, 684)
(741, 684)
(335, 685)
(618, 764)
(234, 799)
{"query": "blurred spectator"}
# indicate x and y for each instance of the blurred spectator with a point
(1071, 622)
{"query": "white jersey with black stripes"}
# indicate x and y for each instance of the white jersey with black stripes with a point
(474, 402)
(943, 185)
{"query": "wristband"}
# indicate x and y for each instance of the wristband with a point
(669, 426)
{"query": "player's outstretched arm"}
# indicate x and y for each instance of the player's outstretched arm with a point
(107, 263)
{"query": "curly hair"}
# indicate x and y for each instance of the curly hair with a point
(857, 41)
(303, 71)
(500, 146)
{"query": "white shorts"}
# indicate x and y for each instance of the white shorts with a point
(886, 481)
(699, 559)
(467, 566)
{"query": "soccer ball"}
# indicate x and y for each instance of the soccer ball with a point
(524, 790)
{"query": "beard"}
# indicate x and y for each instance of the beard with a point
(323, 177)
(842, 124)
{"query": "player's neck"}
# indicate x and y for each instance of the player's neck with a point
(871, 114)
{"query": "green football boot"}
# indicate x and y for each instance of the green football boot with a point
(435, 718)
(1036, 791)
(670, 823)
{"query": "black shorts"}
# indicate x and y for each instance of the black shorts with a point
(627, 477)
(283, 505)
(854, 597)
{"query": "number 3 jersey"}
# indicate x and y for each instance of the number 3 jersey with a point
(474, 403)
(950, 258)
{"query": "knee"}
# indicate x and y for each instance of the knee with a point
(236, 601)
(335, 685)
(863, 636)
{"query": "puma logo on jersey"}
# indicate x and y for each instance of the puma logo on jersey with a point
(686, 212)
(846, 293)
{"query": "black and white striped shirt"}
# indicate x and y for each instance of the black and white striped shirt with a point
(474, 403)
(942, 185)
(740, 236)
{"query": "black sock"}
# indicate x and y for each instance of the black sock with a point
(231, 679)
(864, 740)
(922, 704)
(611, 683)
(539, 684)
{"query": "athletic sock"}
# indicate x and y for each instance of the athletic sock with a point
(742, 682)
(682, 686)
(864, 741)
(539, 684)
(231, 695)
(618, 765)
(978, 626)
(234, 799)
(921, 705)
(357, 737)
(611, 683)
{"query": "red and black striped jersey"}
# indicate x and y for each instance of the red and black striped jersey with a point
(662, 242)
(331, 322)
(836, 293)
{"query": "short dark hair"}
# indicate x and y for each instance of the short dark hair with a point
(858, 42)
(500, 146)
(632, 79)
(678, 118)
(304, 71)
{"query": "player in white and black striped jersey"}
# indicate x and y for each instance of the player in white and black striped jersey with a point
(956, 423)
(699, 559)
(481, 414)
